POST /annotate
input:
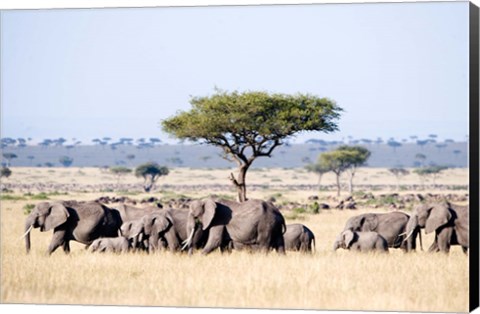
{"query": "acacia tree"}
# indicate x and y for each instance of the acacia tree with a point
(356, 156)
(398, 173)
(150, 172)
(345, 158)
(9, 157)
(249, 125)
(119, 171)
(432, 171)
(318, 168)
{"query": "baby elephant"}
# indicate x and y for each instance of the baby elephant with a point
(298, 237)
(115, 245)
(361, 241)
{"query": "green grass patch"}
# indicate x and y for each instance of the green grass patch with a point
(27, 209)
(8, 197)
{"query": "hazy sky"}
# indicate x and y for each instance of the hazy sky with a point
(397, 69)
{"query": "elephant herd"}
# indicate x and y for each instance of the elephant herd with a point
(379, 232)
(255, 225)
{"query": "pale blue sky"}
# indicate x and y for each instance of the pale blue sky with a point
(397, 69)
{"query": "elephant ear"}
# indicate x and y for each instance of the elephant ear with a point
(348, 237)
(209, 207)
(161, 222)
(369, 223)
(58, 215)
(439, 215)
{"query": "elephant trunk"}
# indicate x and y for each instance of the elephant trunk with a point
(412, 229)
(191, 225)
(337, 244)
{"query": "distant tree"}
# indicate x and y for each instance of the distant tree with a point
(130, 157)
(398, 173)
(49, 164)
(175, 160)
(421, 158)
(9, 157)
(119, 172)
(155, 140)
(319, 169)
(150, 172)
(422, 143)
(30, 158)
(344, 158)
(431, 171)
(249, 125)
(440, 146)
(126, 141)
(59, 141)
(394, 144)
(21, 142)
(5, 172)
(358, 157)
(7, 141)
(65, 161)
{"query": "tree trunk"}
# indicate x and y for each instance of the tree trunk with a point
(338, 184)
(350, 184)
(320, 181)
(240, 182)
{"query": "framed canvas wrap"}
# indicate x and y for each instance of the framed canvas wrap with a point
(248, 156)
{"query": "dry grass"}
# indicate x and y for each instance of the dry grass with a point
(324, 280)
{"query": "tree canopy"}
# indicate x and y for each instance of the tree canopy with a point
(247, 125)
(345, 158)
(150, 172)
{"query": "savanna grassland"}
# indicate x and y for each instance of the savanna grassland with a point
(340, 280)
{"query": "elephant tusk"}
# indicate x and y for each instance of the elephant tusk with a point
(408, 236)
(188, 241)
(29, 229)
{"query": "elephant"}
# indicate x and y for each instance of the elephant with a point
(159, 229)
(298, 237)
(72, 221)
(391, 226)
(449, 221)
(132, 230)
(115, 245)
(362, 241)
(129, 212)
(254, 223)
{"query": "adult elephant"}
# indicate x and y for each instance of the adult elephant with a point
(450, 222)
(253, 223)
(130, 213)
(298, 237)
(72, 221)
(391, 226)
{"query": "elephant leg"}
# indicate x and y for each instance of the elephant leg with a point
(444, 238)
(66, 246)
(58, 240)
(172, 240)
(434, 246)
(214, 241)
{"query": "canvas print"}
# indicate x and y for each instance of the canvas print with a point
(270, 157)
